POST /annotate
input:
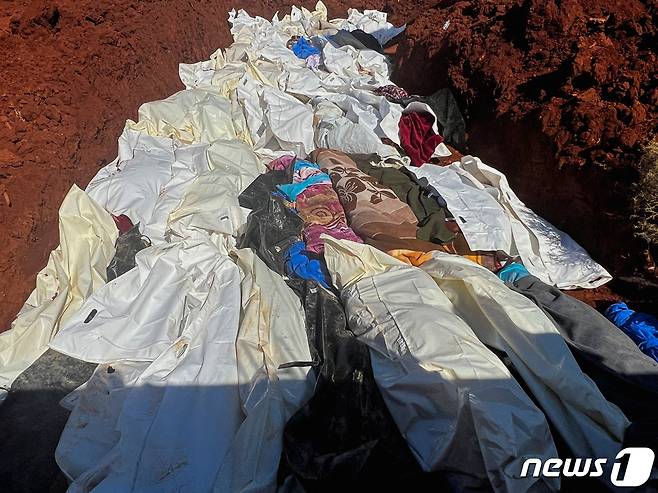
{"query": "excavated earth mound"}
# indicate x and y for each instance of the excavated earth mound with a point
(557, 94)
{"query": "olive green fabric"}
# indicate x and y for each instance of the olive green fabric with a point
(431, 216)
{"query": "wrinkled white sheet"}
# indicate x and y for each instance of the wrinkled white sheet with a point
(177, 420)
(147, 180)
(480, 217)
(547, 252)
(373, 22)
(450, 396)
(192, 116)
(492, 217)
(272, 333)
(506, 320)
(91, 430)
(75, 269)
(138, 315)
(210, 203)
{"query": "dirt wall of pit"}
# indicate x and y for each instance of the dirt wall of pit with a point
(553, 98)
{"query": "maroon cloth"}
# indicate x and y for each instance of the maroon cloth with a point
(417, 137)
(123, 223)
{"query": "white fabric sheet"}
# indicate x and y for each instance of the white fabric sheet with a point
(272, 333)
(449, 395)
(75, 269)
(508, 321)
(148, 179)
(492, 217)
(480, 217)
(547, 252)
(180, 415)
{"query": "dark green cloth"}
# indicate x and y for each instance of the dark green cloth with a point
(431, 216)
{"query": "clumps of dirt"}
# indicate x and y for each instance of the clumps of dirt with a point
(36, 15)
(586, 68)
(559, 94)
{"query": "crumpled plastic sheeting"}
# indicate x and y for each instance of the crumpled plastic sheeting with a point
(198, 74)
(274, 231)
(303, 49)
(271, 230)
(358, 39)
(508, 321)
(74, 271)
(464, 398)
(180, 415)
(641, 327)
(271, 334)
(302, 264)
(512, 273)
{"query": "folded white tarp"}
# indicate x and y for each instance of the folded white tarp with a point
(74, 271)
(450, 396)
(492, 217)
(506, 320)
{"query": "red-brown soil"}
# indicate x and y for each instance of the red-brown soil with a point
(560, 95)
(557, 94)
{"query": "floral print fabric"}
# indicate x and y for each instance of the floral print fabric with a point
(317, 205)
(392, 92)
(371, 208)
